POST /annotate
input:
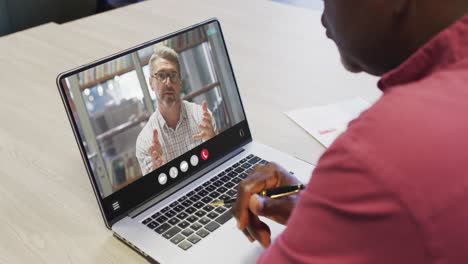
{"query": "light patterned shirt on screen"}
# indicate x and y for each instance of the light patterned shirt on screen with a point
(174, 142)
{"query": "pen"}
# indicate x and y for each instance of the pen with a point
(273, 193)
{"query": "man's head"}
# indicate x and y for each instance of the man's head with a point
(376, 36)
(165, 76)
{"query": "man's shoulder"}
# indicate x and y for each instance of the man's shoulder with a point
(193, 110)
(190, 106)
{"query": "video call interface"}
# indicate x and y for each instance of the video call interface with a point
(142, 110)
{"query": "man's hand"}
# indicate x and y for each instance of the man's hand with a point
(155, 151)
(249, 205)
(206, 126)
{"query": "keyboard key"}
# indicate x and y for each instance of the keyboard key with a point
(224, 197)
(187, 203)
(228, 170)
(177, 239)
(173, 221)
(246, 166)
(152, 225)
(224, 217)
(162, 228)
(214, 194)
(243, 160)
(263, 162)
(185, 245)
(236, 180)
(217, 183)
(196, 226)
(250, 156)
(190, 193)
(171, 232)
(202, 193)
(212, 226)
(194, 239)
(220, 209)
(147, 220)
(170, 214)
(254, 160)
(208, 207)
(235, 165)
(199, 188)
(202, 232)
(206, 183)
(239, 170)
(207, 199)
(204, 221)
(190, 210)
(222, 189)
(182, 215)
(165, 209)
(210, 188)
(249, 170)
(232, 174)
(195, 198)
(229, 184)
(231, 193)
(181, 199)
(156, 215)
(212, 215)
(161, 219)
(242, 175)
(173, 204)
(226, 178)
(198, 205)
(222, 174)
(200, 213)
(192, 219)
(179, 208)
(183, 224)
(187, 232)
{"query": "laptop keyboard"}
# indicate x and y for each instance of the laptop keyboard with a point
(191, 218)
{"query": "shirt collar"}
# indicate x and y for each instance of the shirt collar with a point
(445, 49)
(183, 115)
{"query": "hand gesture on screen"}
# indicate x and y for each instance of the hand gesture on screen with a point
(249, 205)
(206, 126)
(155, 151)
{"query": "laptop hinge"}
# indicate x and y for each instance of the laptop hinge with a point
(151, 202)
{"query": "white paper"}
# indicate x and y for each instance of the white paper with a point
(325, 123)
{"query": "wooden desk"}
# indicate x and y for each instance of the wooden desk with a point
(282, 61)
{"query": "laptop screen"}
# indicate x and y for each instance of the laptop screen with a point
(150, 117)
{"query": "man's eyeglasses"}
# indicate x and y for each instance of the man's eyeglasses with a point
(162, 76)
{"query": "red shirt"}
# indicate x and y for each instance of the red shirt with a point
(394, 187)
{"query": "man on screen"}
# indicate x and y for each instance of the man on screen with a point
(177, 125)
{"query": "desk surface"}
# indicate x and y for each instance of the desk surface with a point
(282, 61)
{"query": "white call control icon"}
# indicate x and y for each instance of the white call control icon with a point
(162, 178)
(194, 160)
(184, 166)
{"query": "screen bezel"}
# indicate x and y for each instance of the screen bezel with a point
(219, 146)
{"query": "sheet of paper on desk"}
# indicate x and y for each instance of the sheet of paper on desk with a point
(325, 123)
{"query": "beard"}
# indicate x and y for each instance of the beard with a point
(349, 65)
(168, 99)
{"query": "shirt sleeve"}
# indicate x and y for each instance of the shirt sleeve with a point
(346, 215)
(142, 145)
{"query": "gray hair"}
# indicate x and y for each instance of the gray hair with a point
(166, 53)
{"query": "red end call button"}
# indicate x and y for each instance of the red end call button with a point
(204, 154)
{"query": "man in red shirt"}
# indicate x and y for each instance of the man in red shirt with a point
(394, 187)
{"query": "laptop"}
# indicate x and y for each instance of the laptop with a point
(155, 188)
